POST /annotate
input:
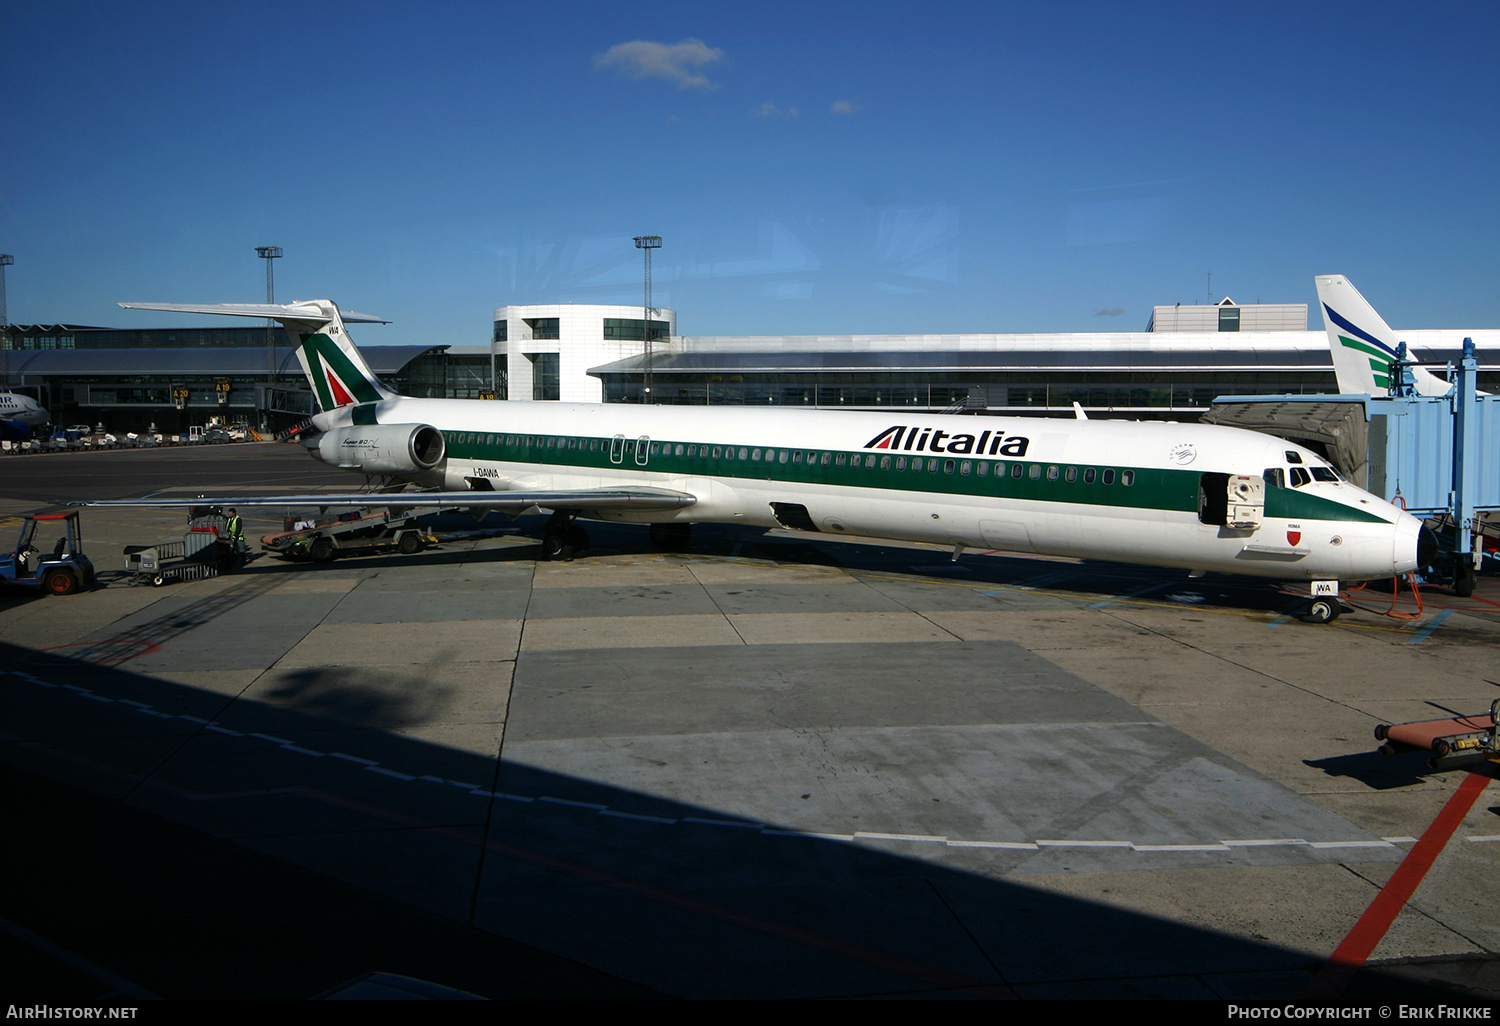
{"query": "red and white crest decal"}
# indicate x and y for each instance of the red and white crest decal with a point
(1293, 535)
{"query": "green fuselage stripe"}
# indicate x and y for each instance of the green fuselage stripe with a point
(1151, 488)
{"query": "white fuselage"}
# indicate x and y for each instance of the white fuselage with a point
(1114, 490)
(14, 406)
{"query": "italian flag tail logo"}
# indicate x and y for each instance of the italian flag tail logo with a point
(338, 378)
(336, 389)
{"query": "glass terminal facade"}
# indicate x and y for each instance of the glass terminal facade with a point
(1125, 390)
(1140, 381)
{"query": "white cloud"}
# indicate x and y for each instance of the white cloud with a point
(843, 107)
(681, 63)
(775, 113)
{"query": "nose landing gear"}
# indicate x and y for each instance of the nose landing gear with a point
(1323, 603)
(1320, 610)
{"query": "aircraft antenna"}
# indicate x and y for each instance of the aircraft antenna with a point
(269, 253)
(5, 261)
(646, 243)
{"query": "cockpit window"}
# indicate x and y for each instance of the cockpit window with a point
(1324, 474)
(1293, 456)
(1300, 477)
(1275, 477)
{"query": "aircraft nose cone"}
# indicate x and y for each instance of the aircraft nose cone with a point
(1427, 547)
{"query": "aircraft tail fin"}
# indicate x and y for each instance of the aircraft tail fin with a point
(335, 369)
(1363, 346)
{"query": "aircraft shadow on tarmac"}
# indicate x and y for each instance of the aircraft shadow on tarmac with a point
(681, 898)
(1091, 579)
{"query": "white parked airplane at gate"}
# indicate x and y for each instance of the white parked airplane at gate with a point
(1199, 497)
(19, 414)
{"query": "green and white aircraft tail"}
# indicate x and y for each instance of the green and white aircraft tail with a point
(1362, 344)
(337, 372)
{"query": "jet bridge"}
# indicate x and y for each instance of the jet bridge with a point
(1437, 455)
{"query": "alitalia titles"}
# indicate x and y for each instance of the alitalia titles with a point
(911, 439)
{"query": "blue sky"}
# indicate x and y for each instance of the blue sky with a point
(812, 168)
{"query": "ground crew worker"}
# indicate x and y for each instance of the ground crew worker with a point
(236, 528)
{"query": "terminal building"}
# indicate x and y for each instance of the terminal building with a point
(177, 377)
(130, 380)
(1186, 356)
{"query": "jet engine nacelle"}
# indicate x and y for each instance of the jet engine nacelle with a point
(383, 448)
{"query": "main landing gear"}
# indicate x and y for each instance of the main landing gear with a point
(563, 540)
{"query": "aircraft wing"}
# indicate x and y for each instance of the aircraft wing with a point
(508, 502)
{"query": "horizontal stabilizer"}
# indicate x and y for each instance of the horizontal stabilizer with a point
(276, 311)
(339, 376)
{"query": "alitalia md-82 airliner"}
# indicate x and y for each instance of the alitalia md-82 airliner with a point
(1197, 497)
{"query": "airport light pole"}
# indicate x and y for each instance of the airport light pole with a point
(269, 253)
(646, 243)
(5, 261)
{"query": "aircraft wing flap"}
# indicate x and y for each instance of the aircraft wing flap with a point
(514, 502)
